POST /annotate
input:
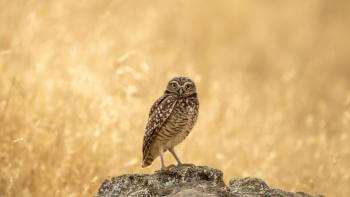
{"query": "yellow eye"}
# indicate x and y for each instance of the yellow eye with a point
(188, 86)
(173, 85)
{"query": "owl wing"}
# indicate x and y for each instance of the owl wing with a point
(155, 105)
(159, 113)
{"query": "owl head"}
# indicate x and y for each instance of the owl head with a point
(181, 86)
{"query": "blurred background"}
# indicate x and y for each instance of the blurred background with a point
(78, 79)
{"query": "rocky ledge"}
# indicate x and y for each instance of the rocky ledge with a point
(188, 180)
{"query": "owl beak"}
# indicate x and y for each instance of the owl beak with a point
(181, 91)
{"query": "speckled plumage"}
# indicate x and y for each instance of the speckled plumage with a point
(171, 119)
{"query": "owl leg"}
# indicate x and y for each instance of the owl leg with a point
(172, 151)
(161, 159)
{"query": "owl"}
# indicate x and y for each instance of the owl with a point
(170, 120)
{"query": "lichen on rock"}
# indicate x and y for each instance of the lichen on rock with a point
(188, 180)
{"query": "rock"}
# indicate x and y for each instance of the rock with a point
(188, 180)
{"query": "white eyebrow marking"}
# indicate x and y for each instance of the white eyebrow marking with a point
(187, 82)
(175, 82)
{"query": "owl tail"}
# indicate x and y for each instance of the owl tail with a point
(147, 161)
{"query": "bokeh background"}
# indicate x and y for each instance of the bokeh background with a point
(78, 79)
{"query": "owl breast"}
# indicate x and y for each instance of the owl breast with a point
(180, 123)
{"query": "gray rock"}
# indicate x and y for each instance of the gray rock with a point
(188, 180)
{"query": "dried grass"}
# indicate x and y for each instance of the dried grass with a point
(78, 78)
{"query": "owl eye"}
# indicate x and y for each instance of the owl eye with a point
(188, 86)
(173, 85)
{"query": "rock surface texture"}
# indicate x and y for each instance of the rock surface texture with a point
(188, 180)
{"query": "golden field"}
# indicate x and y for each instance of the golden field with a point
(78, 79)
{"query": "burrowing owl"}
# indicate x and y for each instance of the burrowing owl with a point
(171, 119)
